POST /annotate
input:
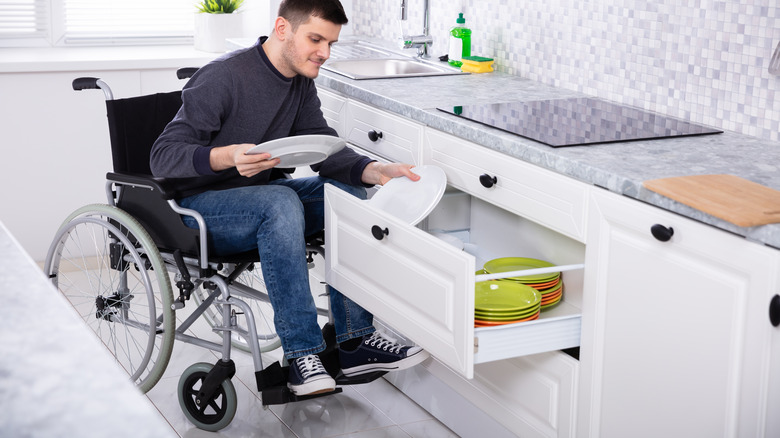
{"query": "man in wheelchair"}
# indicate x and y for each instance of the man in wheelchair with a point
(248, 97)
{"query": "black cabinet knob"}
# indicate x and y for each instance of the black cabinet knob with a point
(661, 232)
(774, 310)
(374, 136)
(487, 181)
(379, 233)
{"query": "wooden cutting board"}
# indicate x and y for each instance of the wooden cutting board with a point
(727, 197)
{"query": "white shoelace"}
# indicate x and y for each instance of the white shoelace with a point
(380, 342)
(309, 365)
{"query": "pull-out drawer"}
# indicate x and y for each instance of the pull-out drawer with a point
(384, 134)
(542, 196)
(424, 288)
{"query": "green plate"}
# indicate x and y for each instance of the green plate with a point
(498, 296)
(505, 316)
(509, 264)
(551, 290)
(501, 314)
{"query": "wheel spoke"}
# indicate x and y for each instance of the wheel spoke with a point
(120, 306)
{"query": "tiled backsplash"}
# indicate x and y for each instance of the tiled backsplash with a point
(705, 60)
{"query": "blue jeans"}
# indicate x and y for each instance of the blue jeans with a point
(274, 219)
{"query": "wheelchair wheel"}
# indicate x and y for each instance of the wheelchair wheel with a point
(110, 270)
(218, 412)
(257, 299)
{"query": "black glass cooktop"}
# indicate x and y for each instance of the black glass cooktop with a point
(577, 121)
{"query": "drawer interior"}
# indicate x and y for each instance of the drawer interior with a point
(488, 232)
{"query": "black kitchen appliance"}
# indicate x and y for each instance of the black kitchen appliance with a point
(577, 121)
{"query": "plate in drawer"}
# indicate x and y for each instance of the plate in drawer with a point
(509, 264)
(411, 201)
(502, 296)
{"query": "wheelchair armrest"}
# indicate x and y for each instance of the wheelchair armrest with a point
(161, 185)
(186, 72)
(151, 201)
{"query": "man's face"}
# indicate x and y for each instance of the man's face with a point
(308, 47)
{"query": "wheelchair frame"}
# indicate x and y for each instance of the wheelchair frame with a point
(127, 245)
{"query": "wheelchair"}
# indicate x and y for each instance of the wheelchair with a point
(117, 263)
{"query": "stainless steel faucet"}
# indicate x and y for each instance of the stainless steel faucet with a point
(421, 42)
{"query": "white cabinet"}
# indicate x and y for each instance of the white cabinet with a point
(676, 339)
(424, 288)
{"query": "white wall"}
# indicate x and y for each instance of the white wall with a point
(56, 149)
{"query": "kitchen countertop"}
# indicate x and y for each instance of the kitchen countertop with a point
(618, 167)
(56, 379)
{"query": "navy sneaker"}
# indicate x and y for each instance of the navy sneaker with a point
(377, 353)
(308, 376)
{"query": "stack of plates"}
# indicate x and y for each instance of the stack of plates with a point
(504, 302)
(549, 285)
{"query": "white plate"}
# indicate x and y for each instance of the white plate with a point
(300, 150)
(411, 201)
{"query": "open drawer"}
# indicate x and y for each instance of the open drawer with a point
(424, 288)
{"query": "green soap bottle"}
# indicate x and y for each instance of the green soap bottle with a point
(460, 42)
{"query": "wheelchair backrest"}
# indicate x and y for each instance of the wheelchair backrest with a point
(134, 124)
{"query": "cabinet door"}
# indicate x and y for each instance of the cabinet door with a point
(384, 134)
(675, 338)
(411, 280)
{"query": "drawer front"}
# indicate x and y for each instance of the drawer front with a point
(535, 394)
(384, 134)
(333, 108)
(412, 281)
(532, 396)
(549, 199)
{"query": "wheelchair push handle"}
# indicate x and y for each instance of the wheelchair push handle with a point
(85, 83)
(186, 72)
(88, 83)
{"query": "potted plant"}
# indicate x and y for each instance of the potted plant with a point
(215, 21)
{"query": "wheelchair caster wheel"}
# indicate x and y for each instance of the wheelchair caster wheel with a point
(213, 414)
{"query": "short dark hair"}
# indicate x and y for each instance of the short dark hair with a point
(298, 12)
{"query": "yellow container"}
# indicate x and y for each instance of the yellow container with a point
(477, 64)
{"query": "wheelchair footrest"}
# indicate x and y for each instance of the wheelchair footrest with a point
(272, 384)
(343, 380)
(279, 395)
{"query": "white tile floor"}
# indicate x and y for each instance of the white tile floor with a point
(374, 410)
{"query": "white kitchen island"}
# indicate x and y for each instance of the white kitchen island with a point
(56, 379)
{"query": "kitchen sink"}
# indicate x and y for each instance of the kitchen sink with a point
(388, 68)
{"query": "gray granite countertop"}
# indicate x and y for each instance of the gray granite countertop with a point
(56, 378)
(618, 167)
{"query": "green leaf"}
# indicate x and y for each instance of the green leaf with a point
(218, 6)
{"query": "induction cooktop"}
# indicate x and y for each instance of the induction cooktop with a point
(578, 121)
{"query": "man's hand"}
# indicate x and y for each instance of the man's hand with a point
(234, 155)
(381, 173)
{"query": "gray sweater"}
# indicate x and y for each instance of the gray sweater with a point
(242, 98)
